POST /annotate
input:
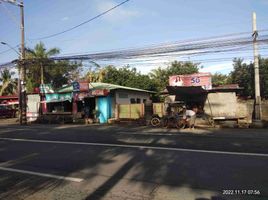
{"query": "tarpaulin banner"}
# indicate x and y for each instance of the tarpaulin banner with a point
(198, 79)
(59, 97)
(46, 88)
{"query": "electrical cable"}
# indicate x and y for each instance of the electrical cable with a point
(85, 22)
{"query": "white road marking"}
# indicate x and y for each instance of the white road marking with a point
(137, 147)
(41, 174)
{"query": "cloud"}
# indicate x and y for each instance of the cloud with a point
(224, 68)
(120, 13)
(64, 18)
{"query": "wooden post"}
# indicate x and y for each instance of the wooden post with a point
(142, 107)
(129, 111)
(116, 111)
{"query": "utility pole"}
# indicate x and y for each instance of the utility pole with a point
(257, 107)
(23, 119)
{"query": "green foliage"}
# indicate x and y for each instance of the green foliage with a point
(264, 77)
(219, 79)
(57, 73)
(129, 77)
(161, 75)
(9, 84)
(243, 74)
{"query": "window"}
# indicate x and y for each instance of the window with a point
(132, 100)
(138, 100)
(144, 101)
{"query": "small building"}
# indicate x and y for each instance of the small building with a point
(213, 103)
(101, 99)
(219, 103)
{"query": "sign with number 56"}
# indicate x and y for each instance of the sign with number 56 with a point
(198, 79)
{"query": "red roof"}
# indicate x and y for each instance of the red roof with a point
(9, 97)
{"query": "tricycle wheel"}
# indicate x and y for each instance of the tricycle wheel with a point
(155, 121)
(180, 124)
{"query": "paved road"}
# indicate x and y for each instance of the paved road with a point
(112, 162)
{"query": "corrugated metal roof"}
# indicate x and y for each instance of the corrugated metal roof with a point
(99, 86)
(186, 90)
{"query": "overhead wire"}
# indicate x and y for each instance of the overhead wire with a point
(81, 24)
(219, 45)
(175, 49)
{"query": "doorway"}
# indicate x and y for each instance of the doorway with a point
(90, 103)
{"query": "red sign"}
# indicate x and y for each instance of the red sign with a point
(84, 86)
(103, 92)
(198, 79)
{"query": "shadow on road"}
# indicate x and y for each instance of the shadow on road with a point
(120, 167)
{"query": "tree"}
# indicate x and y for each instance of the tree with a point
(96, 73)
(161, 75)
(243, 74)
(9, 85)
(127, 76)
(219, 79)
(42, 69)
(264, 77)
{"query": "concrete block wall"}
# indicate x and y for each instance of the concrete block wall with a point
(265, 110)
(221, 104)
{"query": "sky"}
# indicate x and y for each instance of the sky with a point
(137, 23)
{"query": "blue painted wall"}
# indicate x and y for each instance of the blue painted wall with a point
(104, 108)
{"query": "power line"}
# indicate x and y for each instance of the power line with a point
(10, 49)
(219, 44)
(186, 42)
(85, 22)
(186, 49)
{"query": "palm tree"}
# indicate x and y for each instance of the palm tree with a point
(96, 73)
(9, 85)
(40, 56)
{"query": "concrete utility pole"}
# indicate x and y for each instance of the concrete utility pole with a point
(23, 106)
(256, 70)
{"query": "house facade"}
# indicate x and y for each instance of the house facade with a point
(101, 99)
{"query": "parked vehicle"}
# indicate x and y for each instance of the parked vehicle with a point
(175, 121)
(7, 111)
(172, 117)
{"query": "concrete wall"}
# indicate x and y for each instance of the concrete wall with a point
(228, 105)
(245, 108)
(124, 96)
(33, 105)
(265, 110)
(221, 104)
(248, 105)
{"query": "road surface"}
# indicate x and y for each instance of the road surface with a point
(115, 162)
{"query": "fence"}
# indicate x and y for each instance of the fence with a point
(158, 109)
(130, 111)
